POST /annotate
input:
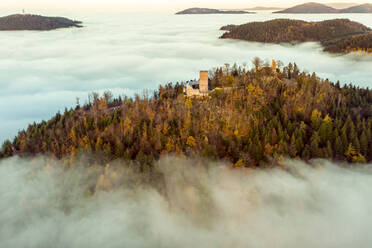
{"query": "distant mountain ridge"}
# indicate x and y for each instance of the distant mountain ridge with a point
(364, 8)
(35, 22)
(318, 8)
(199, 11)
(342, 5)
(308, 8)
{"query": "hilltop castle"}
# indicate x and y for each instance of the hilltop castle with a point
(198, 88)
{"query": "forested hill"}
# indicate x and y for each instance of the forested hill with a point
(343, 34)
(252, 118)
(35, 22)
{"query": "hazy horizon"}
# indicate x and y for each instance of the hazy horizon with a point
(161, 5)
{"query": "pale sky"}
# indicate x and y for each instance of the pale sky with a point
(150, 4)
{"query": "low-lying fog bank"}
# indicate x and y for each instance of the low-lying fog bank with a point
(192, 204)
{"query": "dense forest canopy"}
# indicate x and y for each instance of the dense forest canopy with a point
(253, 117)
(354, 43)
(338, 35)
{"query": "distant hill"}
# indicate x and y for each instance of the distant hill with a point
(317, 8)
(338, 35)
(340, 5)
(199, 11)
(35, 22)
(309, 8)
(364, 8)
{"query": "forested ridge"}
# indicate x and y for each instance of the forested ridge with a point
(354, 43)
(254, 117)
(338, 35)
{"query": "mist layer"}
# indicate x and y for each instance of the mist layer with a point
(187, 203)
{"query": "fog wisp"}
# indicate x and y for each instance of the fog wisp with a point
(187, 203)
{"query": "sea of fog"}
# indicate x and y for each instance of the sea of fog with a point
(43, 72)
(193, 204)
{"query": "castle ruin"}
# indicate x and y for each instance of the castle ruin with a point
(198, 88)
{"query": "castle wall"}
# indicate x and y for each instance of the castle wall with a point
(194, 92)
(203, 89)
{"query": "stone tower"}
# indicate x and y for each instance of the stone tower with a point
(203, 83)
(273, 66)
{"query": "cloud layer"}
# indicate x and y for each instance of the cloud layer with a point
(42, 72)
(194, 204)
